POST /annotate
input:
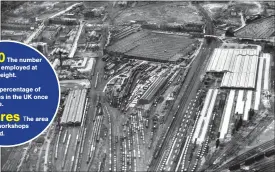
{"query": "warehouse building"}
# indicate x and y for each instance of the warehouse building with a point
(224, 126)
(259, 85)
(240, 103)
(41, 46)
(205, 116)
(64, 21)
(149, 94)
(239, 67)
(74, 107)
(17, 26)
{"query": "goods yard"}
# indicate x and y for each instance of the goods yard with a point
(146, 45)
(145, 89)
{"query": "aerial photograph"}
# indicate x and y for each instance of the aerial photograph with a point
(176, 86)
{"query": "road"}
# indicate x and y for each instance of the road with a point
(67, 9)
(35, 33)
(191, 83)
(74, 46)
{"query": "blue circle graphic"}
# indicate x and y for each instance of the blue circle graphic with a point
(29, 93)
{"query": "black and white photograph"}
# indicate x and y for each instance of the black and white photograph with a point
(151, 86)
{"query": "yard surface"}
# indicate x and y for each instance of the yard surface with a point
(178, 12)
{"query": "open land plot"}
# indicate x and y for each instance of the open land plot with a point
(179, 12)
(40, 9)
(252, 7)
(222, 14)
(95, 4)
(214, 8)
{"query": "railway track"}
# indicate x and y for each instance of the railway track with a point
(241, 158)
(203, 148)
(265, 166)
(12, 162)
(111, 140)
(236, 144)
(191, 87)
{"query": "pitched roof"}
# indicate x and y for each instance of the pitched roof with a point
(259, 29)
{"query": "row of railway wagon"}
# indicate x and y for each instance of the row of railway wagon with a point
(251, 157)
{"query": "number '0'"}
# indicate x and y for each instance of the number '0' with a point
(2, 57)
